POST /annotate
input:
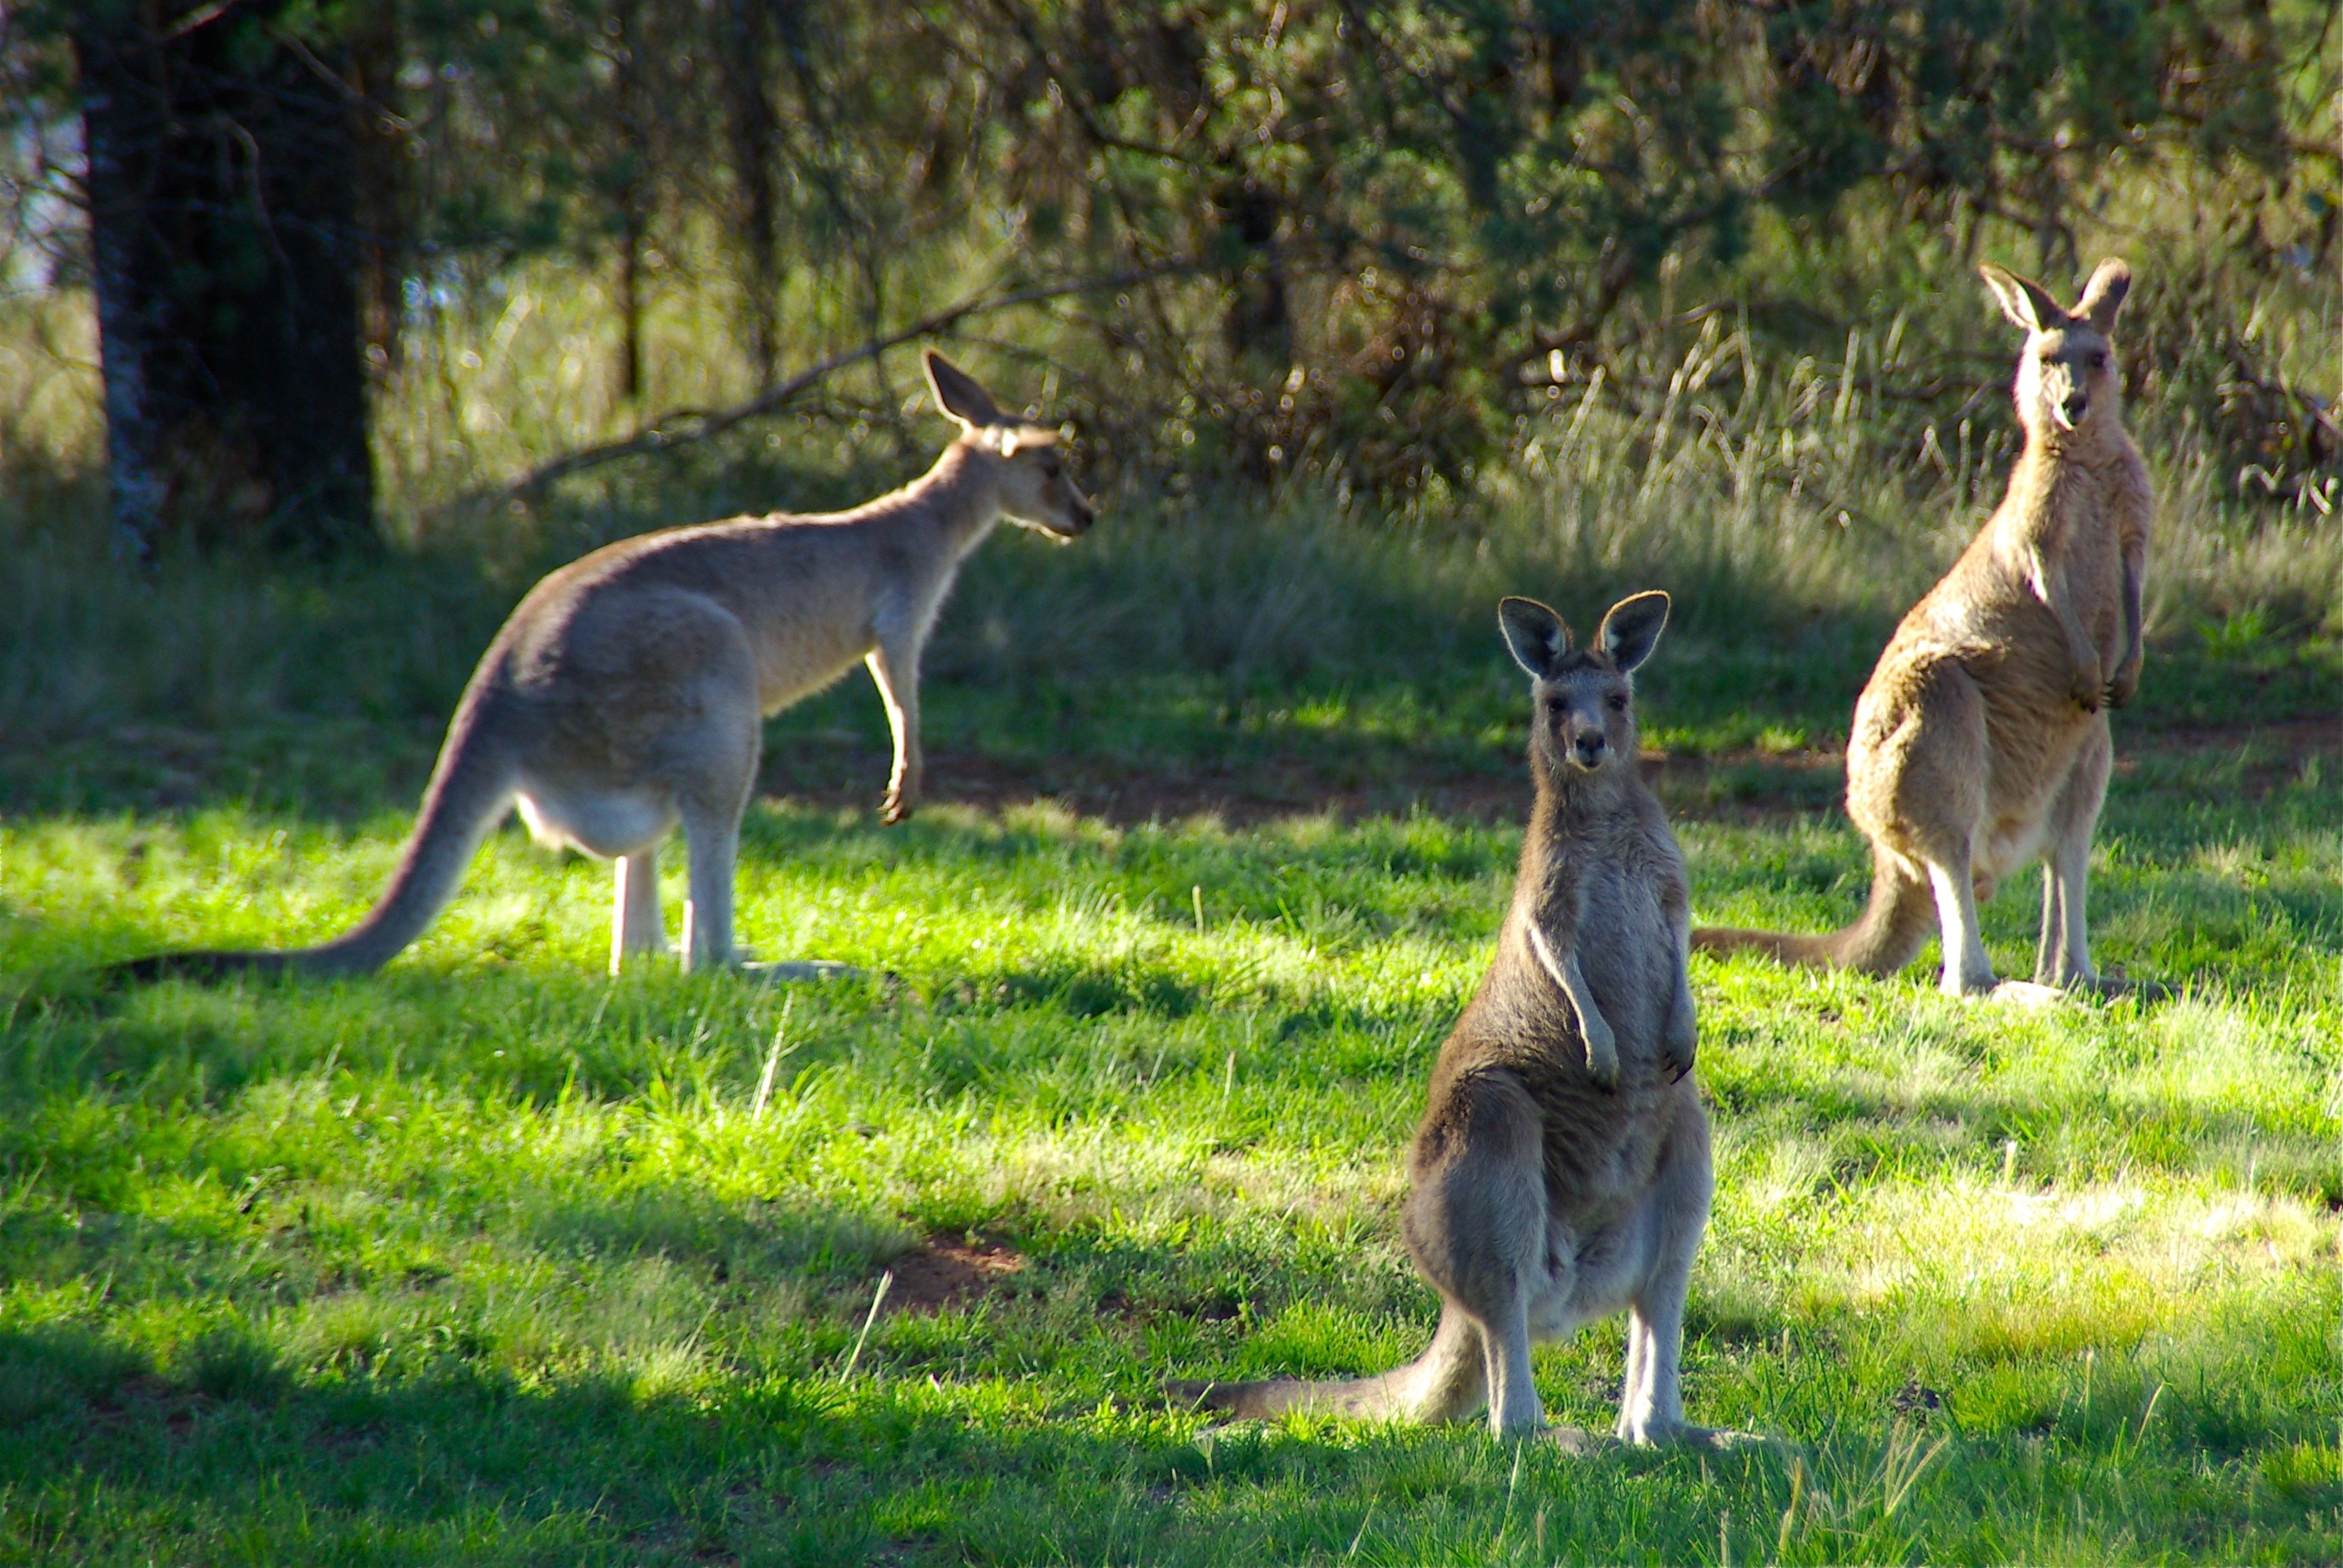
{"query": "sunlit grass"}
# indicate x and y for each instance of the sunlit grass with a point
(494, 1258)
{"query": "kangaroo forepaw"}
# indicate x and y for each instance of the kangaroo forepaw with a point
(1601, 1052)
(898, 807)
(1680, 1048)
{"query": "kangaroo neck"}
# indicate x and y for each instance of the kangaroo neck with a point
(959, 497)
(2043, 484)
(1565, 809)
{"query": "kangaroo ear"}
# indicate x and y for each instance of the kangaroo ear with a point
(2025, 302)
(956, 392)
(1535, 635)
(2104, 294)
(1631, 629)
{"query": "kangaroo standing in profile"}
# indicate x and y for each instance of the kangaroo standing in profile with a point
(1561, 1173)
(1981, 741)
(626, 692)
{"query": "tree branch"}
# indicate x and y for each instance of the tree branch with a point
(681, 427)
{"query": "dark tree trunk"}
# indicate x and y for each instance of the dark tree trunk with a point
(380, 149)
(630, 301)
(633, 199)
(755, 133)
(223, 196)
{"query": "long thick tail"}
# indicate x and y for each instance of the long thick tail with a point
(1447, 1383)
(471, 788)
(1888, 934)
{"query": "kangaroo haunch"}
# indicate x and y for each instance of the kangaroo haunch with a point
(1561, 1173)
(625, 694)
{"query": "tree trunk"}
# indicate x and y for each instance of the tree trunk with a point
(223, 206)
(755, 133)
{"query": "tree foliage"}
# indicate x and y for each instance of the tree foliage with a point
(1372, 235)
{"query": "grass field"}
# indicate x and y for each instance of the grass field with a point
(493, 1259)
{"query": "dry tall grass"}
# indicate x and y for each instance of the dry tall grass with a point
(1763, 495)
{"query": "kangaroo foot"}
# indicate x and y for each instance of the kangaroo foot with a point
(1715, 1439)
(2027, 993)
(1704, 1439)
(791, 970)
(1577, 1439)
(2113, 982)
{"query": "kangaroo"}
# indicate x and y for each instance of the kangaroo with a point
(625, 694)
(1561, 1172)
(1981, 741)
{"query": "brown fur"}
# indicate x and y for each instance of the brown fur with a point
(1543, 1197)
(627, 691)
(1981, 741)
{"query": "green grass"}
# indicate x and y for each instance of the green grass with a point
(493, 1259)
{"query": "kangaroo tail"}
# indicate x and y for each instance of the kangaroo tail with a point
(1888, 934)
(1449, 1381)
(471, 788)
(1370, 1397)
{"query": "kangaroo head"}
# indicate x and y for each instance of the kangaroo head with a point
(1036, 492)
(2066, 378)
(1584, 718)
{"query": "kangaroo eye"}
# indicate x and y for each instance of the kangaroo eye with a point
(1618, 702)
(2098, 359)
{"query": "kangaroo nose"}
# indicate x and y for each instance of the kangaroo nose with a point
(1590, 747)
(2077, 404)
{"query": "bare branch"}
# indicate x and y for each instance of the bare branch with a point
(682, 427)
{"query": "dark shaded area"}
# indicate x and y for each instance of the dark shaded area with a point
(223, 183)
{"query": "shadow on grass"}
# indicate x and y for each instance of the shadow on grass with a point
(228, 1450)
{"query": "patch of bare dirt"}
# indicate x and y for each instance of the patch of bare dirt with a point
(945, 1272)
(1741, 785)
(2290, 736)
(1241, 795)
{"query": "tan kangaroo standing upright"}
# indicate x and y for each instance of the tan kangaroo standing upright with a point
(1561, 1172)
(1981, 741)
(625, 694)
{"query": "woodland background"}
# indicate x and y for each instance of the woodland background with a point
(1358, 317)
(1384, 250)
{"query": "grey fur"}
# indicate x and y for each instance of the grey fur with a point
(1546, 1192)
(625, 694)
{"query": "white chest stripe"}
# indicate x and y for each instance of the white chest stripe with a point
(1544, 951)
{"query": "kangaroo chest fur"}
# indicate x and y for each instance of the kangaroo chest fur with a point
(1621, 871)
(2052, 553)
(2056, 546)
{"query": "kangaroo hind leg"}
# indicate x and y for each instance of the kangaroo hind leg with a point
(2062, 958)
(1674, 1215)
(710, 802)
(637, 926)
(719, 757)
(1933, 767)
(1476, 1220)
